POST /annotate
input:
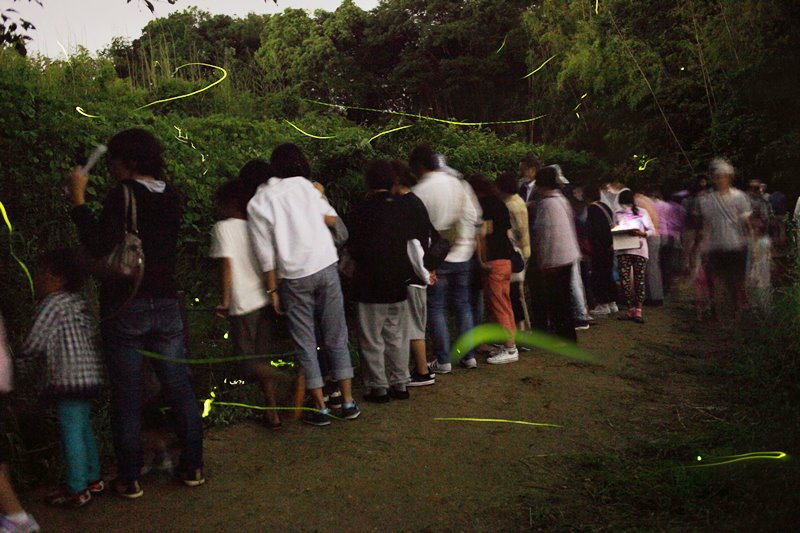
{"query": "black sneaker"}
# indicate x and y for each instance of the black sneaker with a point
(317, 418)
(350, 411)
(192, 478)
(373, 397)
(421, 380)
(127, 489)
(397, 394)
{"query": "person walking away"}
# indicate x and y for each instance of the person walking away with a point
(413, 210)
(64, 334)
(521, 239)
(759, 275)
(726, 213)
(555, 249)
(146, 318)
(288, 222)
(380, 244)
(452, 209)
(244, 296)
(633, 260)
(599, 220)
(495, 253)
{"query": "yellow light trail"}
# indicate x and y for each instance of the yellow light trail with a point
(11, 248)
(80, 110)
(495, 333)
(187, 95)
(208, 403)
(643, 165)
(308, 134)
(215, 360)
(540, 67)
(752, 456)
(424, 117)
(498, 420)
(389, 131)
(502, 45)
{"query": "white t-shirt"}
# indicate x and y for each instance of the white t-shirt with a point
(230, 239)
(287, 227)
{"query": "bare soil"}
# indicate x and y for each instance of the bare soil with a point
(397, 469)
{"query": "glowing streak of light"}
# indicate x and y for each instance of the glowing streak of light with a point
(280, 362)
(211, 360)
(643, 165)
(66, 55)
(308, 134)
(495, 333)
(752, 456)
(80, 110)
(596, 7)
(390, 131)
(11, 248)
(209, 402)
(540, 67)
(424, 117)
(502, 45)
(498, 420)
(187, 95)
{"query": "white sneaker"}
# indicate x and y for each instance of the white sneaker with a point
(613, 307)
(602, 309)
(435, 367)
(508, 355)
(471, 363)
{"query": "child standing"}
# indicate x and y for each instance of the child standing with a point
(633, 260)
(244, 296)
(64, 333)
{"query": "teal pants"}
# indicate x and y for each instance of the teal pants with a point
(80, 447)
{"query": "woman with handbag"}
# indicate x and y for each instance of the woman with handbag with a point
(139, 306)
(633, 226)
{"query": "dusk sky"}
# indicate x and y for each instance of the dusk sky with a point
(93, 23)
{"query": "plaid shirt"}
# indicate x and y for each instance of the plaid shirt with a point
(64, 332)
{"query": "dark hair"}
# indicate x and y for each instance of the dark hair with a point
(507, 183)
(138, 150)
(380, 174)
(403, 174)
(255, 172)
(626, 198)
(591, 192)
(547, 177)
(65, 265)
(423, 158)
(530, 161)
(287, 161)
(481, 185)
(235, 194)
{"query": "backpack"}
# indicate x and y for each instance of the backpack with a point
(126, 260)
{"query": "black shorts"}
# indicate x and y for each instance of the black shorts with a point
(252, 335)
(730, 265)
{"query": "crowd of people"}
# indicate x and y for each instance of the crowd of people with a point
(423, 248)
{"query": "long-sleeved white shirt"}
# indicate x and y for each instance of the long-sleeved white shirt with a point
(450, 202)
(287, 228)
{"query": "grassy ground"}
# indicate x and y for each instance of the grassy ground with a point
(664, 393)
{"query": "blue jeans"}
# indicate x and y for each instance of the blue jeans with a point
(453, 286)
(318, 295)
(80, 447)
(155, 325)
(579, 311)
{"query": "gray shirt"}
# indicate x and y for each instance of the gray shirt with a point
(724, 218)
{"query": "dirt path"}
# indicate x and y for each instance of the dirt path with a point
(395, 468)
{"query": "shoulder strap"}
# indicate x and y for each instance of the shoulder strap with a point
(130, 210)
(732, 218)
(606, 212)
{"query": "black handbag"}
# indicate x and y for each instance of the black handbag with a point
(437, 252)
